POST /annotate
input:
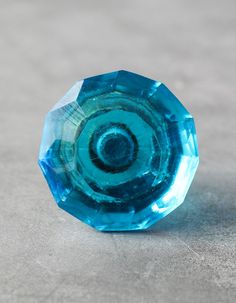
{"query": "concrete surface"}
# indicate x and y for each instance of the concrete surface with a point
(48, 256)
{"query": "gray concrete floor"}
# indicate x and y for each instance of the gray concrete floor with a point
(47, 255)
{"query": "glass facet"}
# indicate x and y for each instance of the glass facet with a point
(119, 151)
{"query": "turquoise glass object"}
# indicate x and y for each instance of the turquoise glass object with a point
(119, 151)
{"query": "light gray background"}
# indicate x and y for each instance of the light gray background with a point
(48, 256)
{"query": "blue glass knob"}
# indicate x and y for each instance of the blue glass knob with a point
(119, 151)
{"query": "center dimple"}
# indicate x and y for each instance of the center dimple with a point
(113, 148)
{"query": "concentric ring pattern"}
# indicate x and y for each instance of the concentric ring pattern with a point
(119, 151)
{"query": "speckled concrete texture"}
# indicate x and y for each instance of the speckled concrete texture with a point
(47, 255)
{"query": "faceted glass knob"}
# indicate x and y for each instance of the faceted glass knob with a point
(119, 151)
